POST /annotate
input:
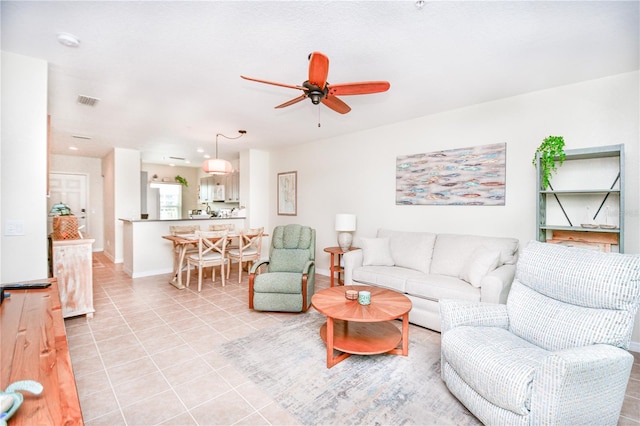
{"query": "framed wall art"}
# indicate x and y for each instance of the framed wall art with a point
(287, 193)
(473, 176)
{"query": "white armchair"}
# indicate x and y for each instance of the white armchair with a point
(556, 352)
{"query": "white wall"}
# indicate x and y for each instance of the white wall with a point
(23, 167)
(92, 167)
(356, 173)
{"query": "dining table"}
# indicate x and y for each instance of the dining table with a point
(181, 244)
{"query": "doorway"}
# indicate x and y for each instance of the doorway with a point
(69, 189)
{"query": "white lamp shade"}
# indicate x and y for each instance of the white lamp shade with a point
(217, 166)
(345, 222)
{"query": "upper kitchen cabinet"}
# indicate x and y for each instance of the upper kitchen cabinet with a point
(224, 188)
(233, 187)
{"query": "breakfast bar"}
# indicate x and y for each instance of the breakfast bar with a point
(146, 253)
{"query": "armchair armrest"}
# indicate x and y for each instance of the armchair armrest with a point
(352, 260)
(584, 385)
(307, 267)
(456, 313)
(257, 264)
(495, 286)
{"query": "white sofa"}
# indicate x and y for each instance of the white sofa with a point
(428, 267)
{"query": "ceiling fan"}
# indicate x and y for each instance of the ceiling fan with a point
(319, 90)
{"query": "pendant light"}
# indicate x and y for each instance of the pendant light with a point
(218, 166)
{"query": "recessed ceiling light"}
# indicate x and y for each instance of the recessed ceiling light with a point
(207, 156)
(172, 165)
(68, 40)
(73, 148)
(187, 161)
(200, 150)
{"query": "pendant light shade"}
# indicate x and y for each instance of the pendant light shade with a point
(217, 166)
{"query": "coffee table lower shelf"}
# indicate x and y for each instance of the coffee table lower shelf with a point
(361, 338)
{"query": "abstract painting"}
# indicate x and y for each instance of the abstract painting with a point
(473, 176)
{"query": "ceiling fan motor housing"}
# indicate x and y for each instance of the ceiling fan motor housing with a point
(315, 93)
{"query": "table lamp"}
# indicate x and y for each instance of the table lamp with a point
(345, 225)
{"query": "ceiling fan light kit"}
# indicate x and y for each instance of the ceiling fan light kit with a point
(319, 90)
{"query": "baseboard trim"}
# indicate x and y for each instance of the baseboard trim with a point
(634, 347)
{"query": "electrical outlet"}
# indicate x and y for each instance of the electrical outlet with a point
(14, 227)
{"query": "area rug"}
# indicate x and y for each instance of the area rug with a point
(288, 361)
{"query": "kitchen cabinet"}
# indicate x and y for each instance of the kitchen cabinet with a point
(585, 202)
(233, 187)
(72, 265)
(205, 192)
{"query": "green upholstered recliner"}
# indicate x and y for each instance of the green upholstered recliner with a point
(287, 283)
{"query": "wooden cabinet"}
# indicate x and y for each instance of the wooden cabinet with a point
(34, 346)
(72, 266)
(585, 202)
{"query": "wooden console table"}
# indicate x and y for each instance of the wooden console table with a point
(34, 347)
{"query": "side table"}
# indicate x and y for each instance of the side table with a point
(337, 267)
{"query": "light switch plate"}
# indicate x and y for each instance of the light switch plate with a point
(14, 227)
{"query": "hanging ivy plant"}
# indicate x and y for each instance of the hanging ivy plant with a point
(182, 181)
(551, 150)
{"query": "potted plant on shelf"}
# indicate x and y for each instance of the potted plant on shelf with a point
(182, 181)
(551, 150)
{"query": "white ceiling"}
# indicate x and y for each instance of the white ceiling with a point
(168, 73)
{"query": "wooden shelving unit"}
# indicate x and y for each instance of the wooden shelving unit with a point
(584, 192)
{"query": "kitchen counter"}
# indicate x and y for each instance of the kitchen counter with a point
(146, 253)
(180, 220)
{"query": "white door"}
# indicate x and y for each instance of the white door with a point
(69, 189)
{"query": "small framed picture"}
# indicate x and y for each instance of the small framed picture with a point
(288, 193)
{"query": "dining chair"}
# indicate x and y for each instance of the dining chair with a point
(176, 230)
(212, 246)
(232, 243)
(249, 249)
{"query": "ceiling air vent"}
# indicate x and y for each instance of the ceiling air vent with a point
(88, 138)
(87, 100)
(177, 158)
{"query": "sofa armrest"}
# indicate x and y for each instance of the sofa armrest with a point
(456, 313)
(352, 260)
(495, 286)
(584, 385)
(307, 266)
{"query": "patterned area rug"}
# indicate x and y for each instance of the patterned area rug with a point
(288, 361)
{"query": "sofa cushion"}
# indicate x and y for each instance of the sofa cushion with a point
(376, 252)
(495, 363)
(451, 251)
(411, 250)
(391, 277)
(480, 263)
(436, 287)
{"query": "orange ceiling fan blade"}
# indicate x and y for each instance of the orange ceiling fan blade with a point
(292, 101)
(358, 88)
(291, 86)
(318, 69)
(336, 104)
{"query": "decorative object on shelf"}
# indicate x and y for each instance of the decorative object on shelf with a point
(345, 225)
(65, 228)
(551, 150)
(288, 193)
(218, 166)
(182, 181)
(588, 223)
(474, 176)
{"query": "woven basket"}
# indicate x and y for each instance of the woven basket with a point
(65, 228)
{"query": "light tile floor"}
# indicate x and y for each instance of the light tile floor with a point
(148, 356)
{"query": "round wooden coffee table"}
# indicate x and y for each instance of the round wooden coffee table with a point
(352, 328)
